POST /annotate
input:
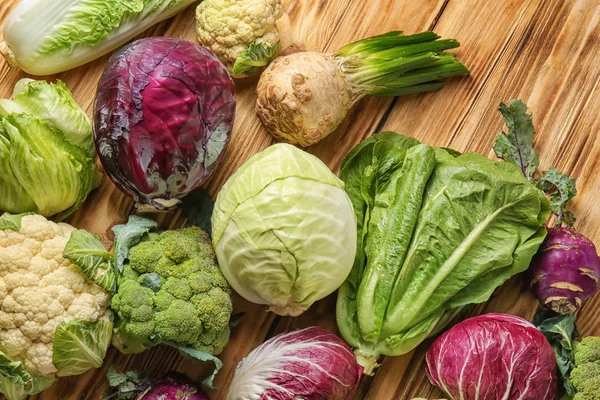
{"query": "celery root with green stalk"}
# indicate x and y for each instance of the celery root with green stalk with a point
(303, 97)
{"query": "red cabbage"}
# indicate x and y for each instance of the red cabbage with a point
(565, 271)
(163, 114)
(493, 356)
(309, 364)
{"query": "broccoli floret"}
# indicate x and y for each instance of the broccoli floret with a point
(215, 308)
(131, 297)
(163, 300)
(144, 256)
(586, 374)
(173, 291)
(211, 341)
(179, 323)
(178, 287)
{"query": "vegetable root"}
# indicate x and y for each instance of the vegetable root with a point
(303, 97)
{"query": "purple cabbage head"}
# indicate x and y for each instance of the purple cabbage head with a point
(310, 364)
(493, 356)
(566, 270)
(162, 117)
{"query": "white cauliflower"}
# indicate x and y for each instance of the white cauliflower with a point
(244, 34)
(40, 291)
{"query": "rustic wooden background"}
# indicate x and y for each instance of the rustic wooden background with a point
(545, 52)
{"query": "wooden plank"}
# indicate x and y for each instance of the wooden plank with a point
(543, 52)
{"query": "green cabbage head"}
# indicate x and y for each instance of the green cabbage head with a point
(284, 230)
(46, 151)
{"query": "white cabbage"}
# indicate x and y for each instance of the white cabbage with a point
(284, 230)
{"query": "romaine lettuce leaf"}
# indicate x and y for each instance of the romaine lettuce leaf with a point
(473, 224)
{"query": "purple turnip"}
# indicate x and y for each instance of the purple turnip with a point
(565, 271)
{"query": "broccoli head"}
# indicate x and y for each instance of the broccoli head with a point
(585, 377)
(171, 291)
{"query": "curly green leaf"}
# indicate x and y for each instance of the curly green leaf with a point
(200, 356)
(561, 332)
(560, 188)
(516, 146)
(256, 56)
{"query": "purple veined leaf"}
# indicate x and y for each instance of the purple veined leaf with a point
(311, 363)
(493, 356)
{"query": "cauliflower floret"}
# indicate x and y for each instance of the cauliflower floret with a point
(39, 358)
(229, 27)
(39, 289)
(14, 343)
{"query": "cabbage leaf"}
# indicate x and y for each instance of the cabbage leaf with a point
(16, 383)
(256, 56)
(88, 253)
(80, 345)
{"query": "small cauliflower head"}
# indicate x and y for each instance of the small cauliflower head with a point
(243, 34)
(40, 291)
(585, 377)
(171, 291)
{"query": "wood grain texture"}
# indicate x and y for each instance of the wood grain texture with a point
(545, 52)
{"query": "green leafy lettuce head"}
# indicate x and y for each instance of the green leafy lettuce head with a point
(284, 230)
(46, 150)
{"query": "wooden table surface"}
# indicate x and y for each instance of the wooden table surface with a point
(545, 52)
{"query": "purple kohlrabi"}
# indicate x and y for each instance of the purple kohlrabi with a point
(566, 270)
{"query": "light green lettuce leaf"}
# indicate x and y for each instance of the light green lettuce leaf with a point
(13, 195)
(55, 175)
(88, 22)
(16, 383)
(53, 104)
(88, 253)
(80, 345)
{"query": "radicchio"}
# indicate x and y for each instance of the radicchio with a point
(162, 117)
(493, 357)
(308, 364)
